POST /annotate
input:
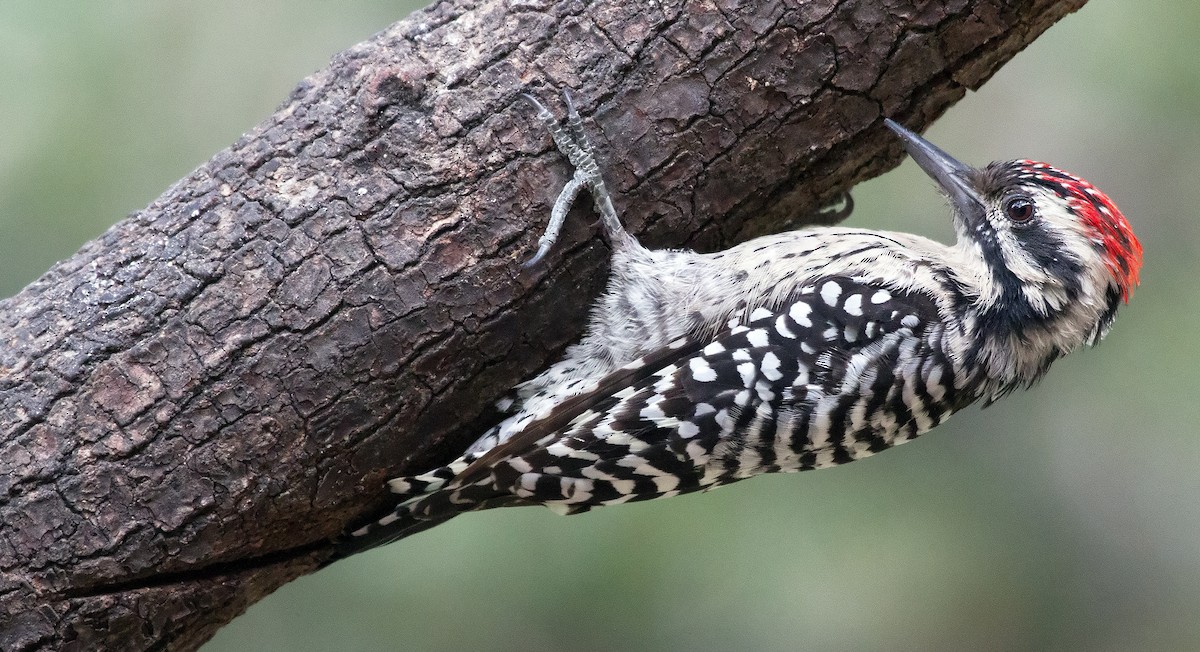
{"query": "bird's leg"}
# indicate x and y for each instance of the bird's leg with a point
(573, 142)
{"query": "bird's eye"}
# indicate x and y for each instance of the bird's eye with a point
(1019, 209)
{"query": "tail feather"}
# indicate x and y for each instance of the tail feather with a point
(426, 483)
(427, 500)
(374, 535)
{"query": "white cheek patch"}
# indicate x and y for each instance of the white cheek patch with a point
(1016, 259)
(1077, 242)
(971, 266)
(1039, 287)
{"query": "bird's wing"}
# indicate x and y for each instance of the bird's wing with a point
(655, 426)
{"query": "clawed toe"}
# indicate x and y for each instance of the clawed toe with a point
(572, 141)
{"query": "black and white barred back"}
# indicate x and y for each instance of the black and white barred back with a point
(790, 352)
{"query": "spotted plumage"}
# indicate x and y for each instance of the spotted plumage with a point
(790, 352)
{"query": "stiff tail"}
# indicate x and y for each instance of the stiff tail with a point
(374, 535)
(425, 501)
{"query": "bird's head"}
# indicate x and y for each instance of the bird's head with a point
(1045, 257)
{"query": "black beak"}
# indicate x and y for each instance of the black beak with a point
(954, 177)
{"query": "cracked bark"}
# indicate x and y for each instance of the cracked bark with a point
(197, 400)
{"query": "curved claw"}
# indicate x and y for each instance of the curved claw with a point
(569, 102)
(537, 257)
(838, 214)
(538, 105)
(571, 140)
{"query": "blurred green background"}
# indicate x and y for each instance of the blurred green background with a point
(1063, 518)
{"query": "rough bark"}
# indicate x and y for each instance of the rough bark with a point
(193, 404)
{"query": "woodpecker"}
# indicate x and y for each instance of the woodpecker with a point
(801, 350)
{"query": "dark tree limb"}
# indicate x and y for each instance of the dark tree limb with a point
(193, 404)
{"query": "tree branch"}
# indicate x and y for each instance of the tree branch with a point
(193, 404)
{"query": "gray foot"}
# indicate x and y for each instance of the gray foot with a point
(571, 140)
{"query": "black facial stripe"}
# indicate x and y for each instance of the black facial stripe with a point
(989, 244)
(1013, 313)
(1050, 253)
(993, 254)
